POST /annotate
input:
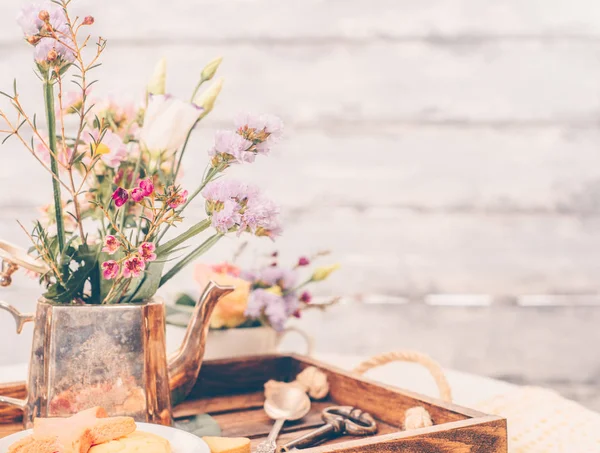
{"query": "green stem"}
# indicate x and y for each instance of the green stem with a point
(211, 174)
(51, 119)
(202, 80)
(202, 248)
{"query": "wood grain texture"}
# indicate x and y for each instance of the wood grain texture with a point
(456, 429)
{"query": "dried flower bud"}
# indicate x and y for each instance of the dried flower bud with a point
(207, 99)
(322, 273)
(44, 15)
(157, 83)
(52, 55)
(47, 27)
(210, 69)
(88, 20)
(33, 40)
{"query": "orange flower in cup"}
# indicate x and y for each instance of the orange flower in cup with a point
(229, 312)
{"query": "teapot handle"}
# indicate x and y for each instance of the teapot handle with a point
(20, 318)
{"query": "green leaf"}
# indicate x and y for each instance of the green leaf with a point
(169, 247)
(146, 286)
(202, 248)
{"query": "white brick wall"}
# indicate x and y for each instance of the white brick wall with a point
(438, 146)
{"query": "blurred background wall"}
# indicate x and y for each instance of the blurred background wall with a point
(446, 151)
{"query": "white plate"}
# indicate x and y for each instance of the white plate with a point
(181, 441)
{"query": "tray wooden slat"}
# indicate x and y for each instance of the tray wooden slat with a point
(232, 392)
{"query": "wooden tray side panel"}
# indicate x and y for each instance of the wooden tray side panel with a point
(240, 375)
(386, 403)
(467, 436)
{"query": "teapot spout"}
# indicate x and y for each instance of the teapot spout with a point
(185, 364)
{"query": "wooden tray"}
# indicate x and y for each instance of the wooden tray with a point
(232, 392)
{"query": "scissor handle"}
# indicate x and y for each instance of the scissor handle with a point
(354, 421)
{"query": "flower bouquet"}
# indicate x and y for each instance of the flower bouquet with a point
(100, 250)
(252, 319)
(115, 170)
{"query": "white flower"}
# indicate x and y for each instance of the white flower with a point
(166, 123)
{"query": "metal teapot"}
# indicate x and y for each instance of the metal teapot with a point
(112, 356)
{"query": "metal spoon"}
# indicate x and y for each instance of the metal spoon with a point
(286, 403)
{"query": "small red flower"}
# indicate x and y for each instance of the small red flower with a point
(297, 314)
(120, 196)
(88, 20)
(147, 187)
(137, 194)
(303, 261)
(306, 297)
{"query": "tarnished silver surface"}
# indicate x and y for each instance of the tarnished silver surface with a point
(339, 420)
(112, 356)
(284, 403)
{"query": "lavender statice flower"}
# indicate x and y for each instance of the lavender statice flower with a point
(282, 277)
(227, 218)
(232, 147)
(44, 49)
(275, 308)
(51, 45)
(263, 130)
(234, 204)
(29, 17)
(261, 217)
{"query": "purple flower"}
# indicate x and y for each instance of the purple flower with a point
(47, 49)
(29, 17)
(261, 217)
(276, 314)
(285, 278)
(120, 196)
(270, 124)
(225, 189)
(232, 146)
(273, 306)
(228, 217)
(247, 208)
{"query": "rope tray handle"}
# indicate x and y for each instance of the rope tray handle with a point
(415, 417)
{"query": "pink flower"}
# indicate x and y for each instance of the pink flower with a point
(178, 199)
(110, 269)
(137, 194)
(226, 268)
(306, 297)
(133, 266)
(120, 196)
(303, 261)
(147, 187)
(147, 251)
(111, 244)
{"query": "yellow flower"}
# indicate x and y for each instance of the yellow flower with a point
(275, 290)
(321, 273)
(229, 312)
